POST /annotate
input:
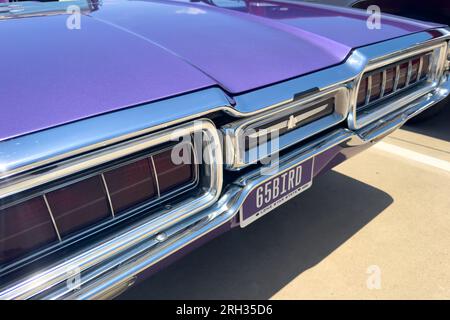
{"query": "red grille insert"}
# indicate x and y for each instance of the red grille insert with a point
(79, 205)
(131, 184)
(362, 92)
(376, 86)
(25, 227)
(403, 75)
(390, 80)
(171, 175)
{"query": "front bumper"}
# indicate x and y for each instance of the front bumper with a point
(107, 269)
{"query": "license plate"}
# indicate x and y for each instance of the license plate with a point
(276, 191)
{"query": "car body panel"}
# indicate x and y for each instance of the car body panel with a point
(131, 52)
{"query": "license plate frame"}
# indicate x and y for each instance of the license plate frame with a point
(290, 183)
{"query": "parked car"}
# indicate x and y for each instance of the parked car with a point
(433, 10)
(131, 132)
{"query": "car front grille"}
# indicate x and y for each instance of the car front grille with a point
(385, 82)
(162, 173)
(65, 210)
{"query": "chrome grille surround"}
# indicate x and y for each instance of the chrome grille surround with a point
(371, 111)
(235, 133)
(207, 184)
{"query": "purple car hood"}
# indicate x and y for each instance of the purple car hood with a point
(132, 52)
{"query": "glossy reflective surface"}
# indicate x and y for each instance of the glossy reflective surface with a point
(79, 205)
(134, 52)
(25, 227)
(131, 184)
(171, 175)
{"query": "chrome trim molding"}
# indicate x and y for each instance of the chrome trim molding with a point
(238, 157)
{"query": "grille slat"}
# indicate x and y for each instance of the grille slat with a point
(383, 83)
(420, 69)
(369, 89)
(158, 190)
(397, 77)
(408, 77)
(108, 194)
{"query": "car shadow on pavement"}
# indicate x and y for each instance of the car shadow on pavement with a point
(256, 262)
(437, 126)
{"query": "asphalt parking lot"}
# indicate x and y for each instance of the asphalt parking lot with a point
(376, 227)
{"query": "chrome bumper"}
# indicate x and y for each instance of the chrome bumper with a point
(110, 267)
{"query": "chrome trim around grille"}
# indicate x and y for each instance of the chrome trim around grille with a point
(209, 186)
(239, 157)
(436, 47)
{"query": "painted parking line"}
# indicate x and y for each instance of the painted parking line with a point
(414, 156)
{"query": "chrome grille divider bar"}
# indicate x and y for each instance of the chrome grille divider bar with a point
(369, 90)
(408, 77)
(383, 83)
(419, 71)
(51, 216)
(156, 176)
(108, 195)
(397, 78)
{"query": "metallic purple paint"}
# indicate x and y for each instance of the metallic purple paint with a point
(132, 52)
